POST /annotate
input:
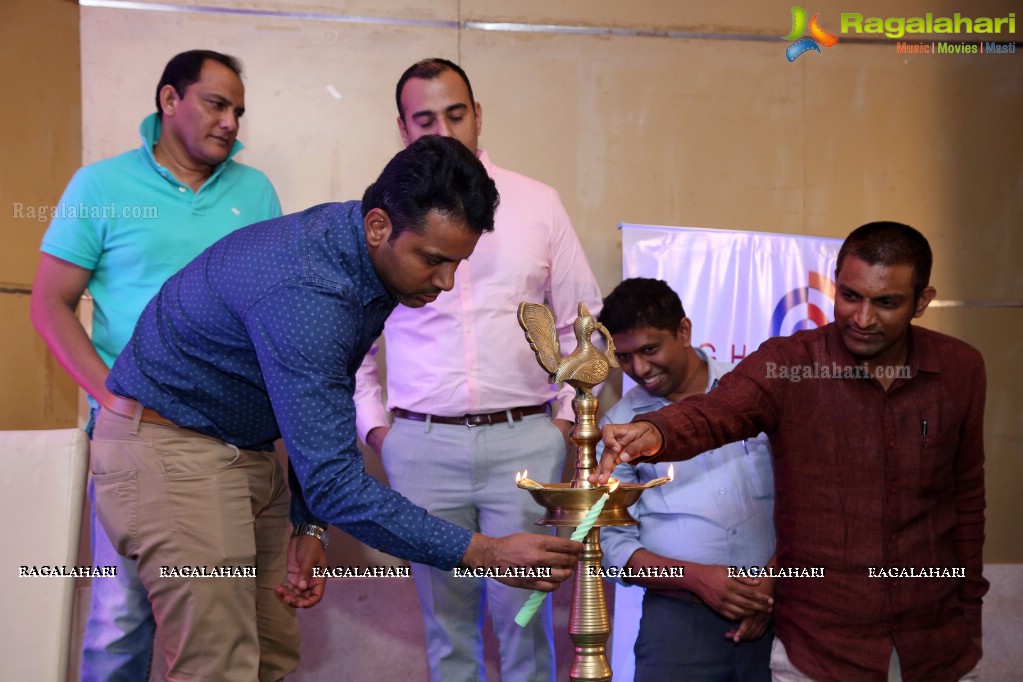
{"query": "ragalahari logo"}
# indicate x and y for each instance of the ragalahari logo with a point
(801, 45)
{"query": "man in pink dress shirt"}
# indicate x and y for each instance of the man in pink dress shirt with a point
(471, 406)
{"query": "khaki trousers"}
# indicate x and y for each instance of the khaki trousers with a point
(179, 502)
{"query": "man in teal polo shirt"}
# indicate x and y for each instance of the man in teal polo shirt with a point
(123, 226)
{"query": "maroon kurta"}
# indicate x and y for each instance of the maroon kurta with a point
(865, 479)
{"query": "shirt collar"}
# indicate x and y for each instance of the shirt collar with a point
(481, 154)
(919, 357)
(921, 354)
(149, 131)
(715, 370)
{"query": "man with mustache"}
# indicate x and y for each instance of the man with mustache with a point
(876, 429)
(124, 226)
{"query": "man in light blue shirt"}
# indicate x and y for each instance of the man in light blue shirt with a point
(123, 226)
(715, 514)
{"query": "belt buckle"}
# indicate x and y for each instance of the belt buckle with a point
(472, 420)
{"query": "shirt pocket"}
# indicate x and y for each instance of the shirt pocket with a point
(937, 456)
(935, 443)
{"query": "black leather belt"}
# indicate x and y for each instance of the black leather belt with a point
(470, 420)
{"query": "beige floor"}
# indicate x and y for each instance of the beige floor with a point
(364, 627)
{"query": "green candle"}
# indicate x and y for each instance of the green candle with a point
(591, 517)
(529, 609)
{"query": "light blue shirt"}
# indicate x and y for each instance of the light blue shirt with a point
(133, 224)
(718, 509)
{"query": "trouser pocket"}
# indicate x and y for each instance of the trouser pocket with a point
(117, 509)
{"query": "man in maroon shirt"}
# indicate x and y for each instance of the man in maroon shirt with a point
(877, 432)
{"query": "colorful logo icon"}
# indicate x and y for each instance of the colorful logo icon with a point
(818, 36)
(806, 307)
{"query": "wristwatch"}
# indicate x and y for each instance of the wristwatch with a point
(318, 532)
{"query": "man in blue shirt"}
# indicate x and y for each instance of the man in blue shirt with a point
(259, 338)
(123, 226)
(715, 514)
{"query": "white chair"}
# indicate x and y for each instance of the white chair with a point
(42, 490)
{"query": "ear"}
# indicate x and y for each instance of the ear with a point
(378, 227)
(924, 300)
(169, 99)
(685, 331)
(403, 131)
(479, 118)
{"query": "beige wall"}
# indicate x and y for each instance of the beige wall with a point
(710, 130)
(41, 142)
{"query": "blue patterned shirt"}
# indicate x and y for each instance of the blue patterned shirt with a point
(259, 337)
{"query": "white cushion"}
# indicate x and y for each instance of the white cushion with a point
(42, 490)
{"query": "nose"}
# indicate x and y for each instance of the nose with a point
(864, 315)
(229, 121)
(443, 127)
(640, 367)
(444, 277)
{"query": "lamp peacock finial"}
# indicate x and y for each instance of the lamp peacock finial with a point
(586, 366)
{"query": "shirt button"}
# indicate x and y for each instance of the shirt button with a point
(734, 531)
(892, 537)
(182, 189)
(892, 490)
(891, 444)
(721, 491)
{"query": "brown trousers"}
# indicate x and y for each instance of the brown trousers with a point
(179, 502)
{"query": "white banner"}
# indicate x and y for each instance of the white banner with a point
(738, 289)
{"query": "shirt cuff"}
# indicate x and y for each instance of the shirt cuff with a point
(299, 510)
(369, 417)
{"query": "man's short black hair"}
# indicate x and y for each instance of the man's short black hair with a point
(641, 302)
(428, 69)
(889, 243)
(434, 173)
(186, 68)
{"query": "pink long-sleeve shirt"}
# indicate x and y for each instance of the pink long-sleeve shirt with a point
(465, 353)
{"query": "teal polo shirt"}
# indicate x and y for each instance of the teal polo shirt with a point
(133, 224)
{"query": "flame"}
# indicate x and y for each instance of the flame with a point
(671, 472)
(614, 485)
(519, 475)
